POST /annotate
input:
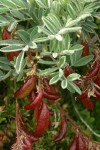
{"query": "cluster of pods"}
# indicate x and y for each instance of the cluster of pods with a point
(93, 76)
(80, 142)
(42, 113)
(6, 35)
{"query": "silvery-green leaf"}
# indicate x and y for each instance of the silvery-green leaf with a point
(34, 34)
(4, 66)
(11, 48)
(19, 62)
(41, 39)
(83, 61)
(25, 48)
(54, 55)
(3, 10)
(24, 36)
(61, 73)
(75, 56)
(67, 41)
(70, 88)
(75, 87)
(8, 4)
(11, 42)
(67, 52)
(4, 24)
(45, 53)
(20, 76)
(6, 75)
(64, 84)
(47, 71)
(62, 61)
(77, 47)
(17, 14)
(49, 25)
(20, 3)
(32, 45)
(55, 79)
(45, 62)
(73, 76)
(12, 26)
(66, 30)
(1, 73)
(58, 37)
(5, 61)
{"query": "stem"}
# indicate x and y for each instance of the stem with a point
(83, 121)
(30, 57)
(66, 114)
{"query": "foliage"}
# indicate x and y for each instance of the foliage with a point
(47, 39)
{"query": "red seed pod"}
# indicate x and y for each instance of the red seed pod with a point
(32, 95)
(88, 103)
(30, 136)
(74, 144)
(6, 34)
(85, 50)
(43, 120)
(24, 147)
(11, 55)
(36, 102)
(26, 88)
(94, 70)
(37, 111)
(81, 143)
(62, 131)
(28, 143)
(83, 95)
(97, 80)
(49, 96)
(49, 88)
(67, 71)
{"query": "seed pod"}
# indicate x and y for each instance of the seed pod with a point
(49, 96)
(49, 88)
(26, 88)
(28, 143)
(81, 144)
(74, 144)
(85, 50)
(88, 103)
(67, 71)
(62, 131)
(30, 136)
(94, 70)
(11, 55)
(6, 34)
(83, 95)
(36, 102)
(24, 147)
(97, 80)
(32, 95)
(43, 121)
(86, 100)
(36, 113)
